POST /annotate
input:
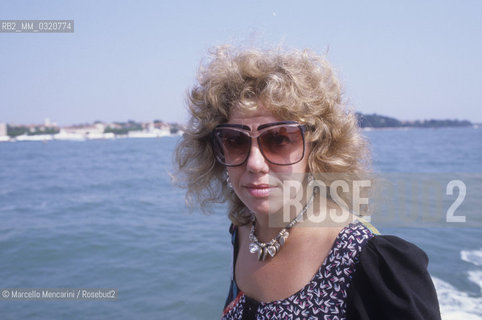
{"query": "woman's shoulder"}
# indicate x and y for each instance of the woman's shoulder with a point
(392, 282)
(393, 250)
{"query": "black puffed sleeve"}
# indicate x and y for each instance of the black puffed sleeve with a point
(391, 282)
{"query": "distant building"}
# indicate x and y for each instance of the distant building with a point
(151, 130)
(3, 129)
(49, 124)
(4, 133)
(83, 132)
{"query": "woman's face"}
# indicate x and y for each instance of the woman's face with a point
(260, 184)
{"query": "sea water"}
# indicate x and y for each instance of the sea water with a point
(103, 214)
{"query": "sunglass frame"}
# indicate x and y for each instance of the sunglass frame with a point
(217, 147)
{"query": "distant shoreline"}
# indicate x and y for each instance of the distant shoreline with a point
(49, 138)
(157, 128)
(473, 126)
(76, 137)
(378, 121)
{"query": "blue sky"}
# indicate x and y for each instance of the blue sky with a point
(136, 59)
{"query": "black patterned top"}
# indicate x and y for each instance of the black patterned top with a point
(329, 295)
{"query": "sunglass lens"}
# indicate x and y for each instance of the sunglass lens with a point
(283, 145)
(233, 146)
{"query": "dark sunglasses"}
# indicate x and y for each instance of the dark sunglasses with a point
(281, 143)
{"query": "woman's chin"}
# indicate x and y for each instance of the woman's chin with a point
(262, 210)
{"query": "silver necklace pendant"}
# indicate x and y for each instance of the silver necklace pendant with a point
(263, 249)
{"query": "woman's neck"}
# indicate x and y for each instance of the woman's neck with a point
(269, 225)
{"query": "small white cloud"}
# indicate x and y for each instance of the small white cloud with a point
(274, 14)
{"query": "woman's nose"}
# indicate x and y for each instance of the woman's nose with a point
(256, 161)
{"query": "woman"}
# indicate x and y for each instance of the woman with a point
(269, 134)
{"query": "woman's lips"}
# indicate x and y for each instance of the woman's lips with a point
(259, 190)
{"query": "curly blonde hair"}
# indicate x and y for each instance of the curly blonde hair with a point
(293, 85)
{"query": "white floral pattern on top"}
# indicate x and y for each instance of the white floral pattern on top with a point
(324, 296)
